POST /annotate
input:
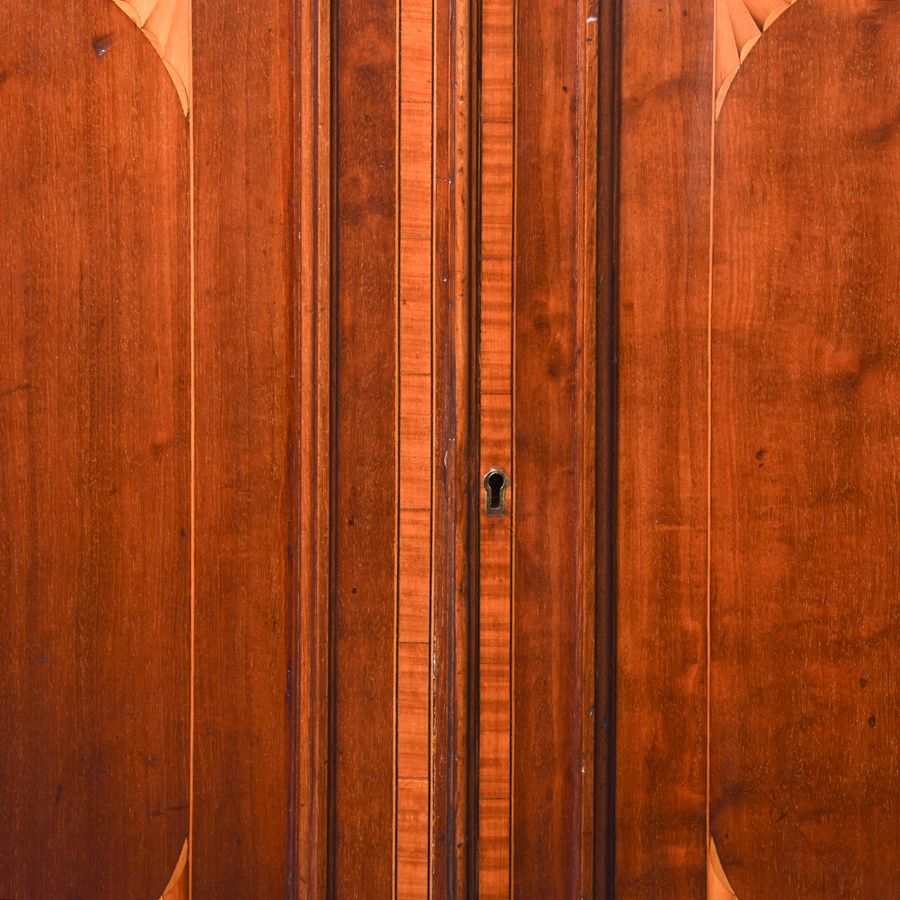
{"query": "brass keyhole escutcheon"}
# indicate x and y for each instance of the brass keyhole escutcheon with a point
(495, 486)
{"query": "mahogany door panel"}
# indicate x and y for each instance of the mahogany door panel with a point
(805, 787)
(95, 458)
(146, 512)
(756, 522)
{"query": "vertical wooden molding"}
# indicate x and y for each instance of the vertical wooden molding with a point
(167, 25)
(314, 179)
(605, 234)
(593, 431)
(452, 461)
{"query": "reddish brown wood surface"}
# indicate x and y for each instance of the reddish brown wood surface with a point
(663, 260)
(805, 792)
(245, 413)
(536, 412)
(415, 427)
(365, 517)
(451, 488)
(605, 105)
(313, 186)
(550, 424)
(259, 360)
(495, 421)
(94, 458)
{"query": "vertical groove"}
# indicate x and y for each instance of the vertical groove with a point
(310, 581)
(398, 370)
(333, 381)
(512, 448)
(712, 185)
(193, 487)
(609, 104)
(592, 657)
(462, 364)
(295, 461)
(431, 487)
(495, 340)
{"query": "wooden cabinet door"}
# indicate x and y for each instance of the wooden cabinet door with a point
(447, 449)
(757, 545)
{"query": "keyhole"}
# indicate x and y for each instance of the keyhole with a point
(495, 485)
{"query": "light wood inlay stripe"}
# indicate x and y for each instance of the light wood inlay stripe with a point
(415, 481)
(496, 436)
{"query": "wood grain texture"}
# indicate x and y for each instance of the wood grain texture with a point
(593, 449)
(495, 367)
(663, 260)
(453, 463)
(606, 104)
(178, 885)
(396, 686)
(167, 25)
(739, 25)
(246, 409)
(366, 421)
(717, 885)
(94, 458)
(550, 428)
(805, 790)
(415, 437)
(312, 648)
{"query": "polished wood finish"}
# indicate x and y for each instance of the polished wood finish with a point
(94, 458)
(537, 396)
(282, 282)
(805, 792)
(554, 591)
(661, 478)
(310, 787)
(245, 365)
(494, 404)
(452, 493)
(416, 261)
(365, 447)
(167, 25)
(754, 580)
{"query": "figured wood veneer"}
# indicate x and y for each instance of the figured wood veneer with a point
(739, 25)
(177, 888)
(717, 884)
(661, 477)
(415, 481)
(167, 25)
(496, 450)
